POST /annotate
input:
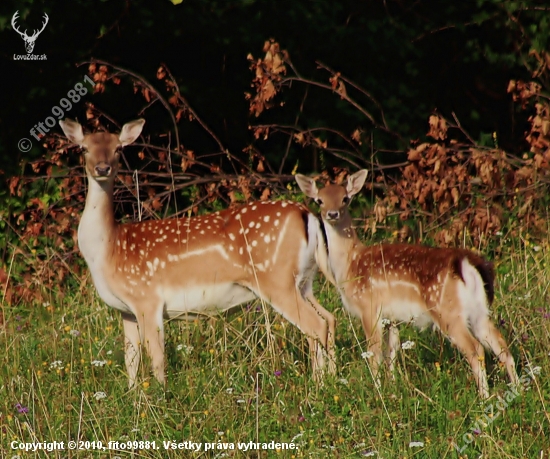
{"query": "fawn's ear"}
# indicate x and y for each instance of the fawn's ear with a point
(73, 131)
(356, 182)
(307, 185)
(130, 132)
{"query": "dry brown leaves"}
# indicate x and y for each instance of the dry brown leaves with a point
(338, 85)
(268, 76)
(99, 74)
(465, 190)
(538, 136)
(438, 127)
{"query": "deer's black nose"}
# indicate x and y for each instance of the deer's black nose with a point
(333, 215)
(103, 170)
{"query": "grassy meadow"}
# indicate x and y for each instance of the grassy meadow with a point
(245, 376)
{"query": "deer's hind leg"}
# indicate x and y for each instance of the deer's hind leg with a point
(488, 334)
(309, 316)
(453, 322)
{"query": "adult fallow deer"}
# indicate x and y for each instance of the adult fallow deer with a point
(451, 288)
(180, 267)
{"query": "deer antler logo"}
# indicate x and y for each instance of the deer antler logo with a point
(29, 41)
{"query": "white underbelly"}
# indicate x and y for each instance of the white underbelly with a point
(403, 311)
(391, 306)
(204, 299)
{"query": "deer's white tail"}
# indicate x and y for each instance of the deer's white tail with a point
(477, 293)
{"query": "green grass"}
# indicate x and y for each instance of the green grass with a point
(229, 381)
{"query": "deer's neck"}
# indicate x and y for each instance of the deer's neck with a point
(97, 228)
(342, 242)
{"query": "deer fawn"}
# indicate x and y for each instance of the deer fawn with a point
(180, 267)
(451, 288)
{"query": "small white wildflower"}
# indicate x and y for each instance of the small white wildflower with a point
(360, 445)
(99, 363)
(498, 233)
(56, 365)
(344, 381)
(416, 444)
(100, 395)
(407, 345)
(109, 352)
(385, 322)
(369, 453)
(229, 390)
(45, 305)
(241, 401)
(537, 248)
(186, 349)
(367, 355)
(74, 333)
(221, 434)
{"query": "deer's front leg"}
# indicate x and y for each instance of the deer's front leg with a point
(132, 347)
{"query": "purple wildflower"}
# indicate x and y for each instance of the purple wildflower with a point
(21, 409)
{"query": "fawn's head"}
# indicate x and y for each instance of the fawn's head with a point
(102, 149)
(333, 200)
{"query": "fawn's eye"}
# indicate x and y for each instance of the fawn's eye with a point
(319, 201)
(345, 201)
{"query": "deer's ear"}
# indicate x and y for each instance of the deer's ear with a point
(131, 131)
(307, 185)
(356, 182)
(73, 131)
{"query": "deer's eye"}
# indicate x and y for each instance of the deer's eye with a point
(319, 201)
(345, 201)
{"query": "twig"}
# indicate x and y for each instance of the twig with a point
(473, 142)
(360, 89)
(289, 142)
